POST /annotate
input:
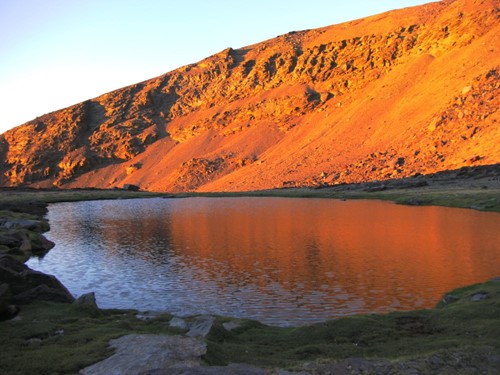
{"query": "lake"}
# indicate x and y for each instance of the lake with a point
(282, 261)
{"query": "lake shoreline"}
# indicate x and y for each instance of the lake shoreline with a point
(472, 188)
(359, 338)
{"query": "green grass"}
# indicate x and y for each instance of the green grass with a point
(479, 199)
(462, 325)
(74, 195)
(475, 198)
(54, 338)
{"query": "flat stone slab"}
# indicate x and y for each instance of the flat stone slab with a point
(150, 354)
(201, 326)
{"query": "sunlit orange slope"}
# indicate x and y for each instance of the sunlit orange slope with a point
(404, 92)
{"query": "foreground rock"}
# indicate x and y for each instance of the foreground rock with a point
(22, 285)
(160, 355)
(21, 232)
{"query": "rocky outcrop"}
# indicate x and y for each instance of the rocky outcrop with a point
(405, 92)
(26, 285)
(21, 235)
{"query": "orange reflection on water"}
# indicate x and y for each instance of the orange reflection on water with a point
(385, 255)
(281, 261)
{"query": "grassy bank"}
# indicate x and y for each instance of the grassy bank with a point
(50, 338)
(478, 198)
(13, 196)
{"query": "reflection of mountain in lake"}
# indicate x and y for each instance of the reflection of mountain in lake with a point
(277, 260)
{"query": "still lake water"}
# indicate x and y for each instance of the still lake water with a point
(281, 261)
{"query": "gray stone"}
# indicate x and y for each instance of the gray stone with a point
(201, 326)
(178, 323)
(131, 187)
(87, 299)
(150, 354)
(148, 315)
(479, 296)
(39, 243)
(449, 298)
(229, 326)
(27, 285)
(43, 292)
(22, 224)
(10, 239)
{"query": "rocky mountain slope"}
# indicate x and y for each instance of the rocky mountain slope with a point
(389, 96)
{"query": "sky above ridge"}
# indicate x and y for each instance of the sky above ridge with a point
(56, 53)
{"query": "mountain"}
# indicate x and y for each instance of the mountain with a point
(411, 91)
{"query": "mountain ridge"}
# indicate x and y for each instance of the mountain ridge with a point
(405, 92)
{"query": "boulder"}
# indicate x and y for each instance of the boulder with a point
(39, 243)
(27, 285)
(88, 300)
(10, 239)
(25, 242)
(43, 293)
(130, 187)
(204, 325)
(21, 224)
(201, 326)
(479, 296)
(7, 310)
(178, 323)
(229, 326)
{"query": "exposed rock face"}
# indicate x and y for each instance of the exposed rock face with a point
(26, 285)
(409, 91)
(22, 236)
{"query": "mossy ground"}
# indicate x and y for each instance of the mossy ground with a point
(50, 338)
(56, 338)
(13, 195)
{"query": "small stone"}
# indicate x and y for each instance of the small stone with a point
(131, 187)
(34, 341)
(87, 299)
(22, 224)
(229, 326)
(480, 296)
(201, 326)
(148, 315)
(449, 298)
(178, 323)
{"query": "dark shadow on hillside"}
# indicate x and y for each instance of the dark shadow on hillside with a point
(483, 176)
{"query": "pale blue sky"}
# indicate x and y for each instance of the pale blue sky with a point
(55, 53)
